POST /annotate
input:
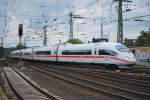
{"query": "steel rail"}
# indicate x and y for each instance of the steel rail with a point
(103, 84)
(37, 87)
(83, 85)
(11, 86)
(104, 77)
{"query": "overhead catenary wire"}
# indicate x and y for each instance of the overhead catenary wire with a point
(89, 20)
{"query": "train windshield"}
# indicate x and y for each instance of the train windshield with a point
(122, 48)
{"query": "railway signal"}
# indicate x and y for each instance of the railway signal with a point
(20, 33)
(20, 30)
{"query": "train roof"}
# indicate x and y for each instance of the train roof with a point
(23, 50)
(90, 45)
(71, 46)
(44, 48)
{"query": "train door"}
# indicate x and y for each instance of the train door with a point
(32, 54)
(102, 56)
(57, 53)
(95, 53)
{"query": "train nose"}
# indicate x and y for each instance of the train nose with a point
(132, 59)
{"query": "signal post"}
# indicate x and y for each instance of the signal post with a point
(20, 33)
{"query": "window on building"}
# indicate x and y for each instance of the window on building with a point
(76, 52)
(107, 52)
(43, 53)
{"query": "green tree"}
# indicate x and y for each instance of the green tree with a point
(74, 41)
(143, 39)
(20, 45)
(1, 52)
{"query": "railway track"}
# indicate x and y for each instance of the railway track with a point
(111, 75)
(127, 74)
(78, 79)
(143, 86)
(23, 87)
(122, 72)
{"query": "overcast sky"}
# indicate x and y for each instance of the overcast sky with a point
(33, 13)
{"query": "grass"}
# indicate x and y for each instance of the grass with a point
(2, 95)
(138, 66)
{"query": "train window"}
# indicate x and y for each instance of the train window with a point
(103, 52)
(122, 48)
(43, 53)
(107, 52)
(27, 53)
(17, 54)
(76, 52)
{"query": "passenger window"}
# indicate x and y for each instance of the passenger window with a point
(107, 52)
(77, 52)
(103, 52)
(27, 53)
(43, 53)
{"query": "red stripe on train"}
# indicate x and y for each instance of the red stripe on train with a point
(115, 58)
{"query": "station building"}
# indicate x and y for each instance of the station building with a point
(142, 53)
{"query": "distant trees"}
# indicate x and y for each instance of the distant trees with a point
(130, 42)
(74, 41)
(20, 45)
(142, 40)
(1, 52)
(8, 50)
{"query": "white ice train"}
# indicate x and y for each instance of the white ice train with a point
(108, 53)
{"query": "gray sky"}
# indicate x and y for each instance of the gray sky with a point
(33, 13)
